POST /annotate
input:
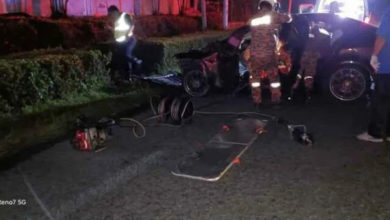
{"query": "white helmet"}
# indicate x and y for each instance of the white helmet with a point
(272, 2)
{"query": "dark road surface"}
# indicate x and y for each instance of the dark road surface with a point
(337, 178)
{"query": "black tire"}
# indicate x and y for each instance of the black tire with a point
(347, 83)
(196, 83)
(164, 109)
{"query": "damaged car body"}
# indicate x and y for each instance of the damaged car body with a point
(343, 71)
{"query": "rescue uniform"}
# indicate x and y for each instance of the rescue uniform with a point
(263, 62)
(316, 44)
(308, 68)
(122, 57)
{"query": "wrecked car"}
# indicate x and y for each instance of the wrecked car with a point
(343, 71)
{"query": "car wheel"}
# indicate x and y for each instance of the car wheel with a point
(348, 83)
(196, 83)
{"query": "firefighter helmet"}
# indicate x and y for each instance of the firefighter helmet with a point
(272, 2)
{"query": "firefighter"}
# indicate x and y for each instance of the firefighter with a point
(318, 42)
(263, 61)
(122, 59)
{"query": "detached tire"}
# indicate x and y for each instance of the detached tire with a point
(347, 83)
(196, 83)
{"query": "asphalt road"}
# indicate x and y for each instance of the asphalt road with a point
(337, 178)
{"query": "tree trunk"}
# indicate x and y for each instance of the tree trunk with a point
(225, 17)
(65, 6)
(204, 14)
(156, 7)
(59, 8)
(182, 6)
(196, 5)
(137, 7)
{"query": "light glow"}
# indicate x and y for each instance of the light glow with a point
(121, 39)
(347, 8)
(255, 85)
(275, 85)
(265, 20)
(323, 31)
(308, 77)
(121, 24)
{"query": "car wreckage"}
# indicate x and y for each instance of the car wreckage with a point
(343, 71)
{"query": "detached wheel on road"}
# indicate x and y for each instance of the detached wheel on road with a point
(196, 83)
(348, 83)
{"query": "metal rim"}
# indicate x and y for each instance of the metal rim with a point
(347, 84)
(196, 83)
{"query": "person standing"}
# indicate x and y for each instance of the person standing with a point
(263, 61)
(316, 43)
(122, 58)
(379, 125)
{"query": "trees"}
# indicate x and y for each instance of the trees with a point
(204, 14)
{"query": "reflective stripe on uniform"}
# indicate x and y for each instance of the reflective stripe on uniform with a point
(255, 85)
(275, 85)
(264, 20)
(122, 28)
(121, 39)
(308, 77)
(121, 25)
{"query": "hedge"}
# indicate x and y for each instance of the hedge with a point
(42, 92)
(27, 82)
(158, 53)
(39, 77)
(25, 134)
(21, 34)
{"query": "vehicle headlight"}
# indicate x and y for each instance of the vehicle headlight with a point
(264, 20)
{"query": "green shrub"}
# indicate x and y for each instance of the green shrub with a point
(20, 34)
(158, 53)
(165, 26)
(30, 81)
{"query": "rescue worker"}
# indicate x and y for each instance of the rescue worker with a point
(122, 58)
(317, 42)
(263, 61)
